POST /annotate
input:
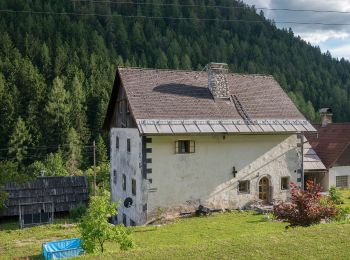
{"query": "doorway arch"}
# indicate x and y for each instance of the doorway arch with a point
(264, 189)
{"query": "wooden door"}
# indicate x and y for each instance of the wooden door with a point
(264, 188)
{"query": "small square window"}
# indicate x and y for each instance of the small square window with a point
(184, 146)
(124, 219)
(128, 146)
(124, 182)
(285, 183)
(133, 187)
(244, 186)
(115, 177)
(117, 143)
(341, 181)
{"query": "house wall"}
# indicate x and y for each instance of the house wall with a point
(130, 165)
(205, 177)
(338, 171)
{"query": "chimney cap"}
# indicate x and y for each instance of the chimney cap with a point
(325, 110)
(217, 65)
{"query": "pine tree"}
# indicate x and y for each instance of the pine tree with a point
(73, 153)
(78, 111)
(101, 150)
(162, 61)
(20, 140)
(57, 112)
(186, 62)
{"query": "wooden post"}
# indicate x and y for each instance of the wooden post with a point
(94, 145)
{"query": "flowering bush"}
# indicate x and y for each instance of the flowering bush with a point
(306, 207)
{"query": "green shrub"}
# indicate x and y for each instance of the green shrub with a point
(96, 230)
(78, 211)
(335, 195)
(343, 214)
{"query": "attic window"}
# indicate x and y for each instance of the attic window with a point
(184, 146)
(121, 106)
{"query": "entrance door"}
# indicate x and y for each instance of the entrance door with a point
(264, 188)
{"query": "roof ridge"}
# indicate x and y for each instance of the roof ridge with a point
(195, 71)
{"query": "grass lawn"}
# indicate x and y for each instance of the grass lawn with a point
(239, 235)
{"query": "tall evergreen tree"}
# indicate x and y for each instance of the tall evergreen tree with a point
(101, 150)
(73, 152)
(57, 111)
(19, 142)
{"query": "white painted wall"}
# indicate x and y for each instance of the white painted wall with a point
(129, 164)
(338, 171)
(205, 177)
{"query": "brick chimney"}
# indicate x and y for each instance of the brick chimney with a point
(217, 82)
(326, 116)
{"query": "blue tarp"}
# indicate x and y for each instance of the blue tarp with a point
(62, 248)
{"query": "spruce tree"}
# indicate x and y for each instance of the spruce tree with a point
(101, 150)
(73, 154)
(19, 142)
(57, 112)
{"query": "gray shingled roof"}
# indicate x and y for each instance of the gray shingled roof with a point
(173, 95)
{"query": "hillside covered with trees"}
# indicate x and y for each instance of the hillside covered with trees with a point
(58, 60)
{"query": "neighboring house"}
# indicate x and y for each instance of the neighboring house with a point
(332, 145)
(314, 169)
(180, 139)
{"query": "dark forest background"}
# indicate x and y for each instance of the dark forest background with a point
(56, 71)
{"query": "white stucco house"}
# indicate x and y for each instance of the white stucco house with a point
(332, 145)
(180, 139)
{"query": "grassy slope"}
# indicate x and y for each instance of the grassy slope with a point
(229, 235)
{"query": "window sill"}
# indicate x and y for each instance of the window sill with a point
(243, 192)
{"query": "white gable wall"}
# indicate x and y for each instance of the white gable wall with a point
(205, 177)
(130, 165)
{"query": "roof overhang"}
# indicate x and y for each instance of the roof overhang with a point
(200, 126)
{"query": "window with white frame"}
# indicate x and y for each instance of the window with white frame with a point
(342, 181)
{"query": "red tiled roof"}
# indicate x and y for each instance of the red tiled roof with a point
(332, 144)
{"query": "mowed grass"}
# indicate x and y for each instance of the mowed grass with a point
(234, 235)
